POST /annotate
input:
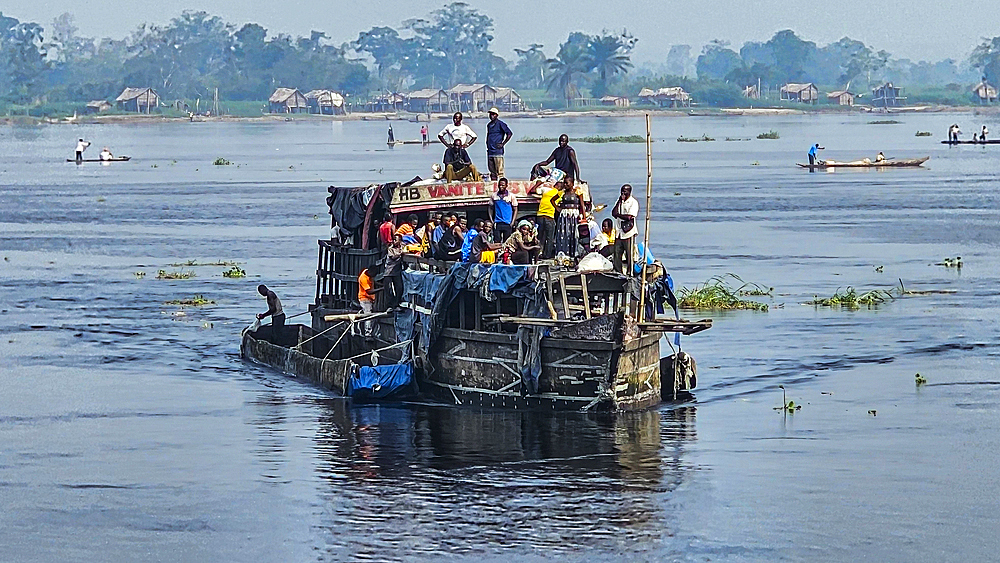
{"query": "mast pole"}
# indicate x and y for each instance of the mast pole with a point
(645, 234)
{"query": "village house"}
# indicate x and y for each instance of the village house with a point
(97, 106)
(985, 93)
(751, 92)
(507, 99)
(841, 98)
(616, 101)
(670, 97)
(389, 101)
(805, 93)
(472, 97)
(887, 96)
(428, 100)
(141, 100)
(287, 100)
(325, 102)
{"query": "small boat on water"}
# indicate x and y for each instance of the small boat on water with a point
(987, 142)
(407, 142)
(115, 159)
(868, 163)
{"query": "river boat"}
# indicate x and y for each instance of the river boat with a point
(986, 142)
(407, 142)
(868, 163)
(114, 159)
(544, 335)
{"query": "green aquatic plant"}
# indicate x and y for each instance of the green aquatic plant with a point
(851, 299)
(196, 301)
(786, 405)
(719, 294)
(920, 380)
(923, 134)
(772, 134)
(140, 275)
(738, 138)
(197, 263)
(221, 162)
(589, 139)
(235, 272)
(181, 275)
(694, 139)
(884, 122)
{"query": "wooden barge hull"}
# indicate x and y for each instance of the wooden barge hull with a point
(481, 369)
(329, 374)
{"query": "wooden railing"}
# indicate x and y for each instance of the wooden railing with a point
(337, 274)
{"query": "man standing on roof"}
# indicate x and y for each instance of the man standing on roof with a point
(564, 158)
(504, 208)
(497, 135)
(274, 311)
(81, 146)
(457, 131)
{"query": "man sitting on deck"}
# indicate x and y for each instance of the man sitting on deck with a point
(522, 246)
(483, 249)
(274, 311)
(458, 165)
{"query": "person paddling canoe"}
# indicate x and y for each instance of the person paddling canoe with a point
(81, 146)
(812, 153)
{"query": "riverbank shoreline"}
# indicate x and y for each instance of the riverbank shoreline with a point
(421, 117)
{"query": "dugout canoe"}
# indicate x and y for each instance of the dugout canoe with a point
(987, 142)
(900, 163)
(115, 159)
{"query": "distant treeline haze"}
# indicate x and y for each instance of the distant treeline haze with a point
(197, 52)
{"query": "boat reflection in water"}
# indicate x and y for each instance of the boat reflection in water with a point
(431, 481)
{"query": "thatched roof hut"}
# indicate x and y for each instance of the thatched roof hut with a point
(617, 101)
(427, 100)
(98, 106)
(326, 102)
(138, 99)
(841, 97)
(472, 97)
(507, 99)
(795, 92)
(985, 92)
(287, 100)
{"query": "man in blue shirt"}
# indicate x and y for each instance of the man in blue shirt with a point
(812, 154)
(504, 210)
(469, 237)
(497, 135)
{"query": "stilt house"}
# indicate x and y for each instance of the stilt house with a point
(141, 100)
(287, 100)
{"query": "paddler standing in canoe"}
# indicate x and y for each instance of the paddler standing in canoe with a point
(81, 146)
(812, 153)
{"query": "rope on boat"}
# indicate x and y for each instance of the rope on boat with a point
(317, 335)
(384, 348)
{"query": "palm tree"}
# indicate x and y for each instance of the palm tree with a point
(609, 55)
(569, 64)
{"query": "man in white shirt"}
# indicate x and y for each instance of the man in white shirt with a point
(625, 211)
(81, 146)
(457, 130)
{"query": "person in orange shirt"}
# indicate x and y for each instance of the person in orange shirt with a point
(407, 229)
(366, 297)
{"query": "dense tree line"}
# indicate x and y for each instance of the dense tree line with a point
(196, 52)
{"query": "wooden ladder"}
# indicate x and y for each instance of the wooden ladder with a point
(581, 287)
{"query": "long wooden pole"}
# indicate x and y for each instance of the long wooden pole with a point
(645, 234)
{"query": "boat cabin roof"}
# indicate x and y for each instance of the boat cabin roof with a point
(435, 195)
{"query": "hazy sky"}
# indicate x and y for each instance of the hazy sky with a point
(915, 29)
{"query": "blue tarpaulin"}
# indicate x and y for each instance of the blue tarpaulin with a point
(380, 382)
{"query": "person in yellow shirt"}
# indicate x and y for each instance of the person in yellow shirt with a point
(546, 218)
(366, 297)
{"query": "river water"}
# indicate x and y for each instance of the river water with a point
(131, 430)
